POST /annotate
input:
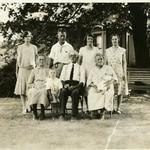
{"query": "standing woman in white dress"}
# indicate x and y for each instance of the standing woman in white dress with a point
(26, 59)
(115, 56)
(87, 55)
(87, 58)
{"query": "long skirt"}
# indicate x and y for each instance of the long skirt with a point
(99, 100)
(21, 84)
(38, 96)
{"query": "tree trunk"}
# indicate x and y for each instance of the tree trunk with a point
(139, 25)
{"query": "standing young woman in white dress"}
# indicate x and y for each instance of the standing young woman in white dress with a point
(87, 58)
(26, 59)
(87, 55)
(115, 56)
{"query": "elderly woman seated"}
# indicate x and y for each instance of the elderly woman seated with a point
(100, 85)
(37, 93)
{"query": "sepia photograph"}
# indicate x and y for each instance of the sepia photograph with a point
(74, 75)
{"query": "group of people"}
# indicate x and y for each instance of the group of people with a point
(89, 73)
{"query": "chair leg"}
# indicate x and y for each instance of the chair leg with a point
(111, 114)
(81, 101)
(86, 101)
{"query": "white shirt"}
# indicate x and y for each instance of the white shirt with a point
(78, 74)
(53, 84)
(60, 53)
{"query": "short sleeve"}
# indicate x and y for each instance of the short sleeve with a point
(71, 49)
(81, 52)
(52, 53)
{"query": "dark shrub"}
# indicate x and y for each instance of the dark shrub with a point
(8, 79)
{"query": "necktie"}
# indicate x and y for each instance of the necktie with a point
(72, 70)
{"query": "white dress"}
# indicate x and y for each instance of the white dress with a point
(88, 58)
(37, 94)
(26, 57)
(102, 97)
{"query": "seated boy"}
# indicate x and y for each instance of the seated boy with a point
(53, 86)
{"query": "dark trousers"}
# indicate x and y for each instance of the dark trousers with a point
(75, 95)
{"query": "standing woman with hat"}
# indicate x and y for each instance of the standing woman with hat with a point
(26, 59)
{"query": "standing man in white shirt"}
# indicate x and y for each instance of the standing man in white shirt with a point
(73, 79)
(59, 55)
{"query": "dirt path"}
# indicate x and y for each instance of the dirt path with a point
(130, 130)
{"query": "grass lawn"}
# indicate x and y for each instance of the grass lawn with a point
(130, 130)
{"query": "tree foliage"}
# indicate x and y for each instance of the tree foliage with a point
(44, 18)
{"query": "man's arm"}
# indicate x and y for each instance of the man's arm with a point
(80, 60)
(50, 62)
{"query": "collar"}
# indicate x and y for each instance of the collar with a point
(72, 63)
(63, 44)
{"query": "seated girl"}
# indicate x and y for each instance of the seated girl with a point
(53, 86)
(37, 94)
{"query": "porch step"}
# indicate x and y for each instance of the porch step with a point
(139, 79)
